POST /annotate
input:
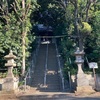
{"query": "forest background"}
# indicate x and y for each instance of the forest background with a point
(76, 21)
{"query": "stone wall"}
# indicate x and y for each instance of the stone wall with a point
(95, 84)
(98, 82)
(1, 82)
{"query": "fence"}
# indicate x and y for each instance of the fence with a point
(60, 68)
(30, 71)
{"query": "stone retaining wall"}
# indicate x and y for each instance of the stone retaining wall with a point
(95, 83)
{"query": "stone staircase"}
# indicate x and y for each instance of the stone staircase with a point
(53, 83)
(37, 77)
(53, 78)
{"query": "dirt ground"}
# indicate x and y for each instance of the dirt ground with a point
(30, 95)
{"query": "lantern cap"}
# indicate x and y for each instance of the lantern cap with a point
(78, 52)
(10, 55)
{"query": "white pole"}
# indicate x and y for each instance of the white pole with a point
(60, 70)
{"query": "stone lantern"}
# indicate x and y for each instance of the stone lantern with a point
(79, 61)
(10, 64)
(82, 82)
(10, 82)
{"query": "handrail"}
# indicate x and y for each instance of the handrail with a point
(60, 69)
(45, 74)
(25, 79)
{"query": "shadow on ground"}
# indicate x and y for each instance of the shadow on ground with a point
(56, 97)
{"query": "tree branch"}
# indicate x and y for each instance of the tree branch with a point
(27, 9)
(87, 8)
(61, 3)
(14, 7)
(17, 4)
(73, 2)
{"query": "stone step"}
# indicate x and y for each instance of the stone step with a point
(38, 75)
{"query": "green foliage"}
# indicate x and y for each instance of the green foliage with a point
(58, 14)
(63, 22)
(93, 41)
(96, 50)
(11, 32)
(16, 72)
(66, 47)
(21, 83)
(86, 28)
(3, 75)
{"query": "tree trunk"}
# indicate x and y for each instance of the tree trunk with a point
(79, 35)
(23, 38)
(87, 10)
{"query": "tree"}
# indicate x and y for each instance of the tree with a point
(15, 27)
(93, 41)
(25, 8)
(9, 33)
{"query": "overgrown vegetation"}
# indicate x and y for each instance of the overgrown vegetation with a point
(15, 31)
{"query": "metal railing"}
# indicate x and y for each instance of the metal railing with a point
(45, 74)
(27, 79)
(60, 69)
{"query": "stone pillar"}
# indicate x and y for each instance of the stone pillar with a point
(83, 86)
(10, 82)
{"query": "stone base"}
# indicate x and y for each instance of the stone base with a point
(10, 84)
(82, 80)
(8, 92)
(84, 90)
